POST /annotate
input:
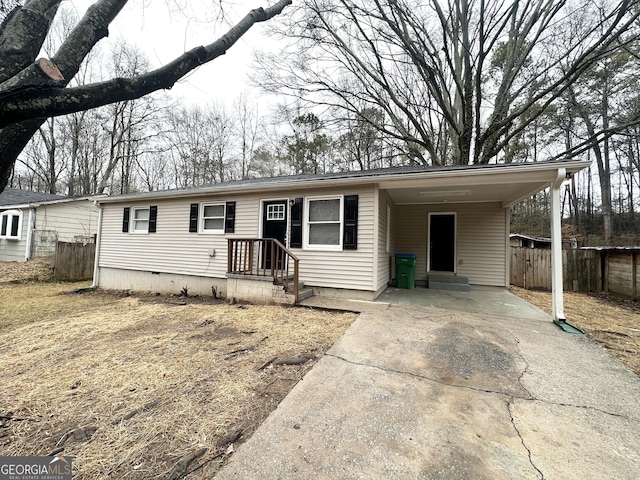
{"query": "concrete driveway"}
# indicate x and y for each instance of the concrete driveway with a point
(414, 392)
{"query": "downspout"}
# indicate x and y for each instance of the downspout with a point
(30, 230)
(557, 306)
(97, 256)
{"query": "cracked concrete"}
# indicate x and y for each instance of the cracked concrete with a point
(418, 392)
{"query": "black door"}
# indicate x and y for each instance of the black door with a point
(274, 225)
(442, 248)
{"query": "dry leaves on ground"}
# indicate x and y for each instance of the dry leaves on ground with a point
(38, 270)
(612, 322)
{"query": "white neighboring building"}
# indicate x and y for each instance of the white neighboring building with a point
(32, 222)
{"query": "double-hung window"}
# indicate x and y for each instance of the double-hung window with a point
(212, 218)
(11, 226)
(323, 223)
(140, 220)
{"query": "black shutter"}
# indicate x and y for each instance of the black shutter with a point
(193, 218)
(230, 217)
(4, 225)
(153, 215)
(350, 239)
(125, 220)
(296, 224)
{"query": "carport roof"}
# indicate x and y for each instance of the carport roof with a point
(504, 183)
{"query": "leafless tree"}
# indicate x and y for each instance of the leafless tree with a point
(199, 139)
(248, 126)
(31, 91)
(457, 80)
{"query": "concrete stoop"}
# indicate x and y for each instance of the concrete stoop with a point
(303, 292)
(456, 283)
(263, 290)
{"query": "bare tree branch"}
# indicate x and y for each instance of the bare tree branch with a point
(33, 96)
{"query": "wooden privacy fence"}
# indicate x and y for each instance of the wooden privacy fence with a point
(531, 268)
(74, 261)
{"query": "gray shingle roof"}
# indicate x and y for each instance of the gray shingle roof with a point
(14, 196)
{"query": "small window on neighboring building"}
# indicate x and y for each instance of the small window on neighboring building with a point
(212, 218)
(11, 226)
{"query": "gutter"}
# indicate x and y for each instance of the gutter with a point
(98, 238)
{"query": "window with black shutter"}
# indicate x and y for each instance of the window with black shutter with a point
(230, 217)
(296, 223)
(153, 218)
(350, 238)
(125, 219)
(193, 218)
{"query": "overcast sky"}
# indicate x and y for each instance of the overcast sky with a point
(163, 32)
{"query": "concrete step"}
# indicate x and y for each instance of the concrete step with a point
(304, 294)
(442, 278)
(454, 287)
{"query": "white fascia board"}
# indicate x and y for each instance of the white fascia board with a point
(545, 172)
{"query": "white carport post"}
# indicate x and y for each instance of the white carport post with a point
(556, 248)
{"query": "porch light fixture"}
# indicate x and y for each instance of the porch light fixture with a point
(444, 193)
(567, 179)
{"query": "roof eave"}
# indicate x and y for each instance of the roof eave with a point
(90, 198)
(385, 180)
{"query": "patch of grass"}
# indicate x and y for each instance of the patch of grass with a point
(22, 304)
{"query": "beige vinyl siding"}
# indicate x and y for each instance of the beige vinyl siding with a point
(173, 249)
(15, 250)
(480, 239)
(64, 222)
(383, 256)
(350, 269)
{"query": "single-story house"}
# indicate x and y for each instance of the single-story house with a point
(336, 233)
(32, 223)
(531, 241)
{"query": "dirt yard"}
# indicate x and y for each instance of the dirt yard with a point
(145, 386)
(611, 322)
(149, 386)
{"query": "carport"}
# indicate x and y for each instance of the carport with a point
(456, 219)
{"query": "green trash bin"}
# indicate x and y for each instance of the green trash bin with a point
(405, 270)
